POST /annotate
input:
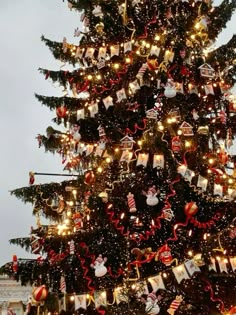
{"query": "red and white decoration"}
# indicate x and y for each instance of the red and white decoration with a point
(131, 202)
(40, 293)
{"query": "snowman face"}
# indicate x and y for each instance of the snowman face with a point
(166, 257)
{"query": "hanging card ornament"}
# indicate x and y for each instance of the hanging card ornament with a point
(126, 156)
(152, 307)
(202, 182)
(188, 175)
(212, 265)
(99, 151)
(179, 87)
(182, 169)
(233, 263)
(131, 202)
(121, 95)
(102, 53)
(121, 295)
(180, 273)
(114, 50)
(192, 88)
(79, 53)
(127, 46)
(191, 267)
(99, 266)
(100, 298)
(141, 288)
(89, 149)
(142, 159)
(218, 190)
(89, 52)
(108, 101)
(169, 56)
(158, 161)
(134, 86)
(209, 89)
(93, 108)
(155, 50)
(80, 114)
(80, 301)
(222, 265)
(157, 283)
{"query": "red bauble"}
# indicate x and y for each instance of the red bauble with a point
(165, 256)
(89, 178)
(61, 111)
(190, 209)
(40, 293)
(223, 157)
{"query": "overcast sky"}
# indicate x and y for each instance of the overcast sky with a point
(23, 117)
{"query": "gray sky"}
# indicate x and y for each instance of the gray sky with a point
(22, 53)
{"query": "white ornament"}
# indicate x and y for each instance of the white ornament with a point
(170, 90)
(100, 268)
(152, 308)
(151, 195)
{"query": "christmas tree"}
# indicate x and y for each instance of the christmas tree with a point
(144, 126)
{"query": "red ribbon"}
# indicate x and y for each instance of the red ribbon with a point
(209, 288)
(82, 261)
(149, 23)
(120, 272)
(116, 222)
(137, 127)
(102, 312)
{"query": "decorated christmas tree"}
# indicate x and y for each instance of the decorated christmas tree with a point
(145, 126)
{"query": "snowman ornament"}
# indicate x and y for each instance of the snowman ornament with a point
(99, 266)
(151, 195)
(170, 90)
(152, 308)
(75, 132)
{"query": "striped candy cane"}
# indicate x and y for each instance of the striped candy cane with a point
(131, 202)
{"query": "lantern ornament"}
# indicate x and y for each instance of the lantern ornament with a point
(40, 293)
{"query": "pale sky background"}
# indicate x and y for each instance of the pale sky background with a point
(22, 23)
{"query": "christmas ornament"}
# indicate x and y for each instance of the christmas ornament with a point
(104, 196)
(131, 202)
(89, 178)
(206, 71)
(176, 144)
(61, 111)
(100, 268)
(74, 131)
(170, 90)
(175, 304)
(99, 28)
(35, 243)
(232, 311)
(164, 255)
(72, 247)
(14, 264)
(31, 178)
(78, 222)
(190, 209)
(152, 308)
(141, 253)
(151, 195)
(40, 293)
(223, 156)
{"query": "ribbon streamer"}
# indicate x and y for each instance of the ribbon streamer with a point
(209, 288)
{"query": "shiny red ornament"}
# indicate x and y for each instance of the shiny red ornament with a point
(61, 111)
(164, 255)
(89, 178)
(190, 209)
(40, 293)
(232, 311)
(223, 157)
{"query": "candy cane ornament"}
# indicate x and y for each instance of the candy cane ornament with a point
(131, 202)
